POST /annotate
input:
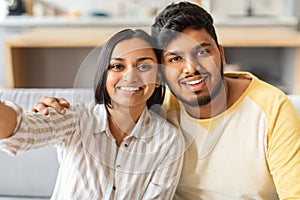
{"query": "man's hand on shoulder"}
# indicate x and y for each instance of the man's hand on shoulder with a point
(59, 104)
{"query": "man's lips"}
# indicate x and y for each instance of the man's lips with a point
(194, 83)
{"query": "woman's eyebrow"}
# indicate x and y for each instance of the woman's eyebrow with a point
(138, 59)
(144, 58)
(118, 59)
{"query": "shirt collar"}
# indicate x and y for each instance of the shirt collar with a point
(102, 123)
(142, 130)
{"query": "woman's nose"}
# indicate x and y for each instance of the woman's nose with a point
(131, 75)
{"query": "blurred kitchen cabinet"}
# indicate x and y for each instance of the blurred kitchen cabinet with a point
(67, 57)
(54, 57)
(272, 54)
(275, 65)
(7, 32)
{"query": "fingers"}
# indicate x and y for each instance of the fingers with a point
(63, 102)
(59, 104)
(41, 108)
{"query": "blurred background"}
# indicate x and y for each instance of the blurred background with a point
(39, 38)
(140, 8)
(54, 44)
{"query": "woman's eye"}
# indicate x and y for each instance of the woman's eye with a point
(144, 68)
(116, 67)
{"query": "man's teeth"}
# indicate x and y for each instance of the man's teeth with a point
(129, 89)
(195, 81)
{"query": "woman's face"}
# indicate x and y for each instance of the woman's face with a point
(131, 77)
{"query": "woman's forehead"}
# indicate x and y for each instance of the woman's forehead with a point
(133, 45)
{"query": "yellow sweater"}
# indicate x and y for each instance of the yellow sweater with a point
(251, 151)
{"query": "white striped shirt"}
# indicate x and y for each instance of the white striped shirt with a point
(147, 165)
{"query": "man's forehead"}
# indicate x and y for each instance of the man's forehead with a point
(182, 46)
(189, 40)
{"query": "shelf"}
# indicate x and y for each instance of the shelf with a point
(25, 52)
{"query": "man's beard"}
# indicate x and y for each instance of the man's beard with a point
(204, 100)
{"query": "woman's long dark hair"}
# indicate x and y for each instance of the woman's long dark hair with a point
(101, 94)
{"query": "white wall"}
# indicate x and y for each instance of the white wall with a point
(112, 7)
(84, 6)
(259, 7)
(218, 7)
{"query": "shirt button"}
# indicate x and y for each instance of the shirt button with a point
(118, 166)
(114, 187)
(126, 145)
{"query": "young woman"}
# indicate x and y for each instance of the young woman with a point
(117, 148)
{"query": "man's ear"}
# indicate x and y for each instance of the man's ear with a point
(158, 80)
(222, 55)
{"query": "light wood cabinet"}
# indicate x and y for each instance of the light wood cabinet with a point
(53, 57)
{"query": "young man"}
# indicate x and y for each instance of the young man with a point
(242, 135)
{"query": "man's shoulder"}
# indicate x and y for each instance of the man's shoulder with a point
(257, 87)
(268, 97)
(170, 103)
(171, 108)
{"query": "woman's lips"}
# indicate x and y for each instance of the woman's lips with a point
(129, 89)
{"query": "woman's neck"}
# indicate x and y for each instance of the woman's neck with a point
(122, 120)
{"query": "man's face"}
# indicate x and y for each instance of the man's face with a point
(193, 67)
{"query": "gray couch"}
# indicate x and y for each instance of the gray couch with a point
(33, 174)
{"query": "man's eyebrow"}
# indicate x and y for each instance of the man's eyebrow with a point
(199, 46)
(172, 53)
(204, 44)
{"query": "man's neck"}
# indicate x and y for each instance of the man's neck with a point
(216, 106)
(233, 89)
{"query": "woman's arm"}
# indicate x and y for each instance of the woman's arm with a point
(34, 130)
(8, 121)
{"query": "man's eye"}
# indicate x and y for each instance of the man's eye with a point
(175, 59)
(116, 67)
(202, 52)
(144, 68)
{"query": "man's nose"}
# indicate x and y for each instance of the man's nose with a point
(189, 66)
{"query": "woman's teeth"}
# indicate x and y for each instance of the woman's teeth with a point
(129, 89)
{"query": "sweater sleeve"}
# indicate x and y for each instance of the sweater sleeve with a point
(283, 149)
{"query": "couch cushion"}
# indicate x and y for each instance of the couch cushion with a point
(295, 99)
(33, 174)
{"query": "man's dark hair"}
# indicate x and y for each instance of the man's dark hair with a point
(101, 94)
(178, 16)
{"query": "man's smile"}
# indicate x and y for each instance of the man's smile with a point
(194, 83)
